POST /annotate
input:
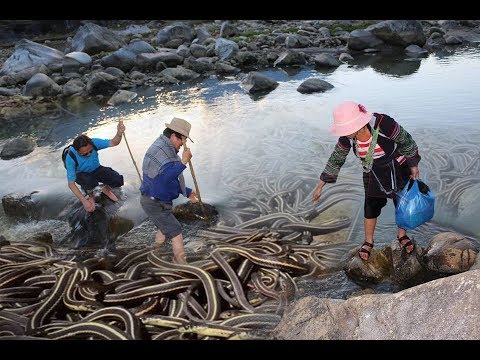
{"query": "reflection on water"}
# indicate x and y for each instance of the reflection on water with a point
(241, 145)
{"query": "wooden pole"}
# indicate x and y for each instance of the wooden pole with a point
(195, 182)
(130, 152)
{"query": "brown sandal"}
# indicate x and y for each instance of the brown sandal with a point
(407, 244)
(362, 250)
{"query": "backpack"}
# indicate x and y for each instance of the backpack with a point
(66, 152)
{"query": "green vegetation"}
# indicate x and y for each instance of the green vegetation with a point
(356, 26)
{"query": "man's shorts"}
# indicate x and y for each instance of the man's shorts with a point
(160, 212)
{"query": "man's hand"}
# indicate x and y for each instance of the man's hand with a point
(88, 206)
(186, 156)
(193, 197)
(120, 128)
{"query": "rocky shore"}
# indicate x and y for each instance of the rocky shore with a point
(108, 60)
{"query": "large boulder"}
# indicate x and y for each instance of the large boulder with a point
(102, 83)
(314, 85)
(290, 58)
(256, 82)
(399, 32)
(28, 54)
(17, 147)
(20, 206)
(450, 253)
(361, 39)
(442, 309)
(225, 49)
(181, 31)
(41, 85)
(93, 39)
(73, 61)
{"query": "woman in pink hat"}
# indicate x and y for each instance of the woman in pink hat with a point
(389, 157)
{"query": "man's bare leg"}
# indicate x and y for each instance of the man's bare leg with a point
(178, 250)
(107, 191)
(159, 239)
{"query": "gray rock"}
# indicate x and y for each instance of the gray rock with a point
(345, 57)
(442, 309)
(74, 86)
(256, 82)
(93, 39)
(134, 30)
(9, 92)
(226, 69)
(180, 73)
(225, 49)
(75, 60)
(20, 206)
(314, 85)
(180, 31)
(122, 59)
(140, 47)
(115, 72)
(202, 35)
(102, 83)
(246, 58)
(28, 54)
(121, 97)
(25, 74)
(228, 30)
(183, 51)
(17, 147)
(289, 58)
(359, 40)
(198, 50)
(149, 61)
(326, 60)
(450, 253)
(41, 85)
(415, 50)
(399, 32)
(198, 65)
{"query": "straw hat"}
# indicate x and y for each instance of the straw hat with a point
(180, 126)
(349, 117)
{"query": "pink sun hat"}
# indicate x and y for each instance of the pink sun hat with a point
(349, 117)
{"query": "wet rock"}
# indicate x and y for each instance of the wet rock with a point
(42, 237)
(406, 267)
(20, 206)
(180, 73)
(102, 83)
(344, 57)
(256, 82)
(3, 241)
(314, 85)
(361, 39)
(290, 58)
(326, 60)
(121, 96)
(150, 60)
(399, 32)
(376, 269)
(187, 212)
(17, 147)
(450, 253)
(415, 50)
(226, 69)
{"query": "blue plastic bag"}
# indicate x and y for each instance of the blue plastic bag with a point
(415, 205)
